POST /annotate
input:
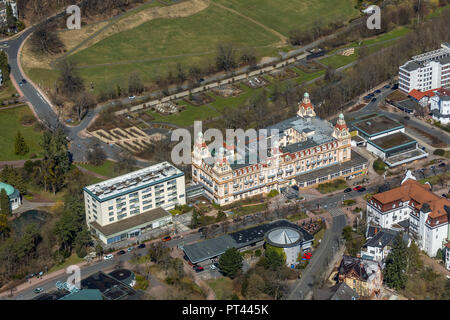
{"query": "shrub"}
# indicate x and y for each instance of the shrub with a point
(272, 193)
(258, 253)
(439, 152)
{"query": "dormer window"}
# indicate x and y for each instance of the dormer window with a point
(393, 206)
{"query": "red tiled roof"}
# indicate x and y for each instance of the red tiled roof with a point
(418, 95)
(413, 190)
(306, 105)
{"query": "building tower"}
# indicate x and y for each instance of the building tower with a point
(342, 135)
(306, 108)
(340, 129)
(200, 150)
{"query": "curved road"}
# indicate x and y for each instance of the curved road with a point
(321, 257)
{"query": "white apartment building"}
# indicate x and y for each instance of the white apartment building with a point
(427, 71)
(440, 106)
(124, 206)
(309, 151)
(414, 203)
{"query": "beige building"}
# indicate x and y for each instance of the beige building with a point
(308, 151)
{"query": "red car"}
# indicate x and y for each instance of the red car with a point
(307, 256)
(165, 239)
(357, 188)
(198, 268)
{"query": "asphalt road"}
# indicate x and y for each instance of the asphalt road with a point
(321, 257)
(98, 265)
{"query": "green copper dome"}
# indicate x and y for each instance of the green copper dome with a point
(8, 188)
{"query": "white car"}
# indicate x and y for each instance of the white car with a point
(108, 256)
(213, 267)
(131, 97)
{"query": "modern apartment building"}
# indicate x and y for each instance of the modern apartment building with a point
(427, 71)
(124, 206)
(412, 203)
(309, 151)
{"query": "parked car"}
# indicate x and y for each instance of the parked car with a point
(307, 256)
(357, 188)
(132, 97)
(38, 290)
(362, 189)
(129, 249)
(377, 91)
(108, 256)
(348, 190)
(441, 164)
(141, 246)
(199, 269)
(166, 238)
(121, 252)
(213, 267)
(387, 86)
(374, 99)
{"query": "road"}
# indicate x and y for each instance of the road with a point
(321, 257)
(97, 265)
(373, 107)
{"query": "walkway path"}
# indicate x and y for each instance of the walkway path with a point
(282, 38)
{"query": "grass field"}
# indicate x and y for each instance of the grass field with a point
(332, 186)
(106, 169)
(9, 126)
(187, 116)
(283, 16)
(222, 287)
(7, 91)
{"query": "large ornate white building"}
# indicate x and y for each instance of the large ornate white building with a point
(308, 151)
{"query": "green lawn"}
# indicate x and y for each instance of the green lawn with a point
(186, 117)
(9, 126)
(434, 180)
(73, 259)
(332, 186)
(283, 16)
(318, 236)
(337, 60)
(106, 169)
(158, 38)
(250, 209)
(7, 91)
(222, 287)
(305, 76)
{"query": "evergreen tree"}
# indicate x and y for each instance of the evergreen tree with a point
(10, 18)
(5, 207)
(194, 219)
(56, 162)
(395, 273)
(275, 257)
(4, 64)
(231, 262)
(20, 146)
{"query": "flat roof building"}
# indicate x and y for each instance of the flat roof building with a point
(205, 250)
(125, 206)
(377, 126)
(386, 139)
